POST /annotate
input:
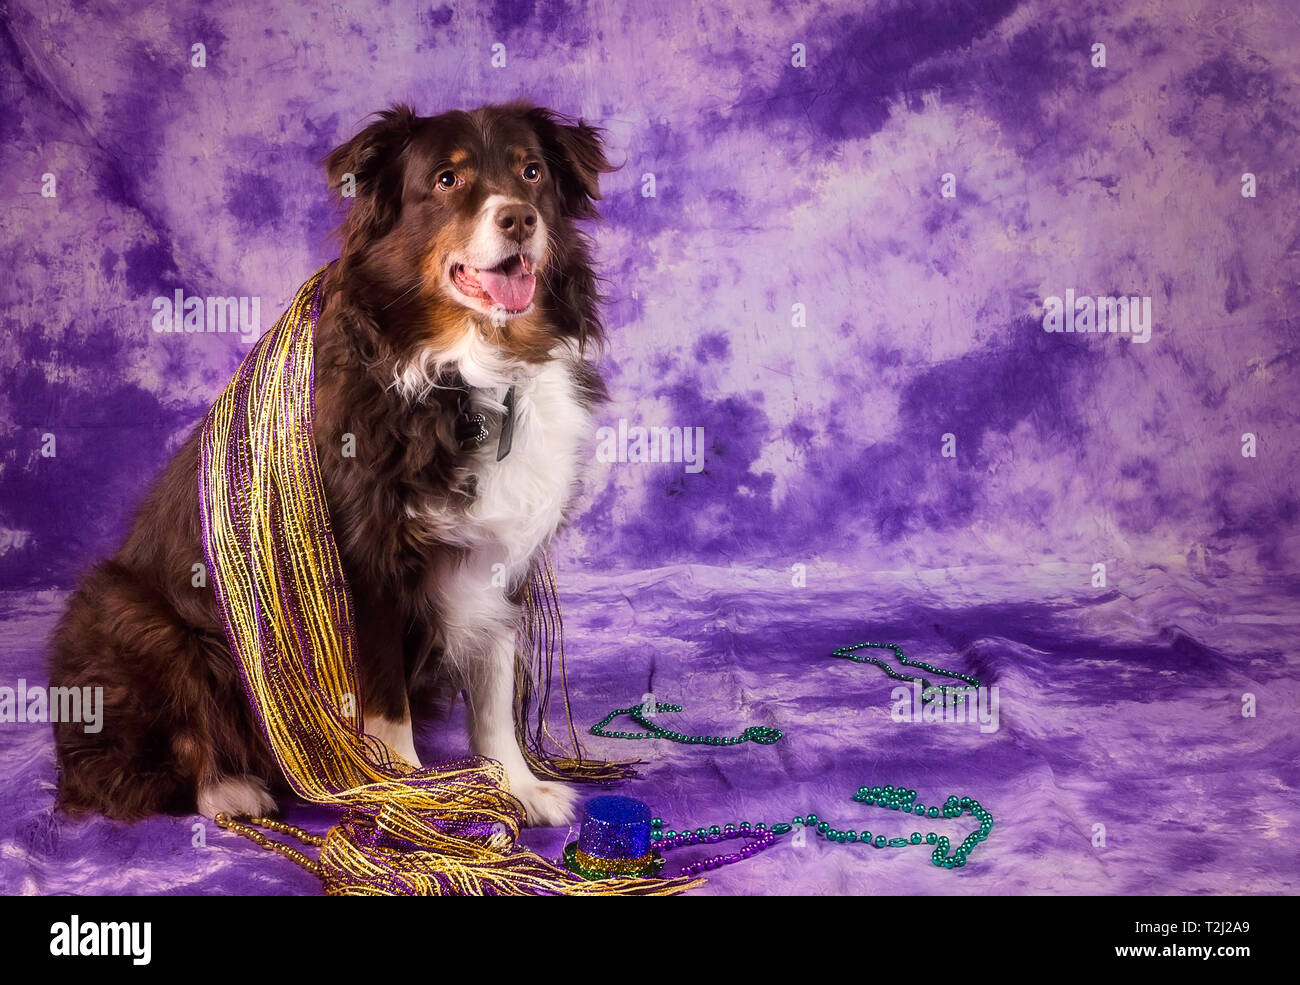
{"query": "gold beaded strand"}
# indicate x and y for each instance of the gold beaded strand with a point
(248, 828)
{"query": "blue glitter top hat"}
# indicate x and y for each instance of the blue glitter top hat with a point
(614, 840)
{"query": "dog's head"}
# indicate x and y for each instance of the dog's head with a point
(464, 223)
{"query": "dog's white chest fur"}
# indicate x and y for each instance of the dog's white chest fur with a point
(520, 500)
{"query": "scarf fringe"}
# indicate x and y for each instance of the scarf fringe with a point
(541, 658)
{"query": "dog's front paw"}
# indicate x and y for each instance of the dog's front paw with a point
(548, 804)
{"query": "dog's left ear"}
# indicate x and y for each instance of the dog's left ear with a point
(575, 153)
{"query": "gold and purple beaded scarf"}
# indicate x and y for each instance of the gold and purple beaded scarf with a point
(445, 829)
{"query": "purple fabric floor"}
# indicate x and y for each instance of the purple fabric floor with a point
(1119, 708)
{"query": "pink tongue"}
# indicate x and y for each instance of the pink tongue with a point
(513, 290)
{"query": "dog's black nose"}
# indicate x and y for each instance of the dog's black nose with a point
(517, 221)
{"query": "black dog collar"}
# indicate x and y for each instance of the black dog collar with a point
(472, 429)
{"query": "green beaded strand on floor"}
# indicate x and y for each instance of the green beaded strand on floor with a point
(761, 734)
(888, 797)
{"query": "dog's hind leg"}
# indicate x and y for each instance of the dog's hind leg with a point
(175, 730)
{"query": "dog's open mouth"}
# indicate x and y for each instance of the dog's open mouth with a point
(509, 284)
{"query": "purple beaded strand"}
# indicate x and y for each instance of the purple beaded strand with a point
(761, 839)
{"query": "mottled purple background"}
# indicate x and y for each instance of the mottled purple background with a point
(776, 186)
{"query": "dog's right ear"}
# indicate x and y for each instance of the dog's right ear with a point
(366, 171)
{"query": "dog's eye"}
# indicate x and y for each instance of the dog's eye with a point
(448, 179)
(532, 172)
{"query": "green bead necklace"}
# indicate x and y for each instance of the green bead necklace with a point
(928, 691)
(904, 800)
(887, 797)
(761, 734)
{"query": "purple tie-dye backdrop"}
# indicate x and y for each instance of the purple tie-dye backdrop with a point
(841, 277)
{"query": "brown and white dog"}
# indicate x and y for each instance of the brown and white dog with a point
(462, 273)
